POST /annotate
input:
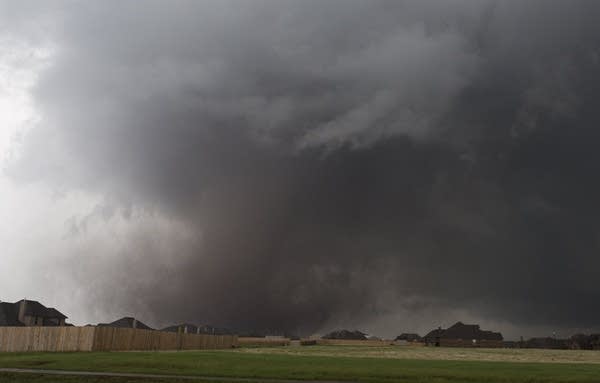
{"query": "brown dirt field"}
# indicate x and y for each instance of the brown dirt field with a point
(438, 353)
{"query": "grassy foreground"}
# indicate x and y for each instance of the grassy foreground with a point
(310, 364)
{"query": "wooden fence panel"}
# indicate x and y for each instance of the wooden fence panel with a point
(21, 339)
(57, 339)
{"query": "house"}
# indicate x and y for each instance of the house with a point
(575, 342)
(193, 329)
(126, 322)
(547, 343)
(584, 342)
(408, 337)
(208, 329)
(30, 313)
(345, 334)
(184, 328)
(433, 337)
(463, 335)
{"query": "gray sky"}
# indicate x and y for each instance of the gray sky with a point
(303, 165)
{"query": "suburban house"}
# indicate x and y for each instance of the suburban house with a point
(30, 313)
(126, 322)
(184, 328)
(188, 328)
(433, 337)
(208, 329)
(463, 335)
(408, 337)
(346, 334)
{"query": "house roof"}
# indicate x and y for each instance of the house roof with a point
(345, 334)
(408, 336)
(9, 314)
(464, 331)
(126, 322)
(470, 331)
(51, 312)
(434, 333)
(35, 308)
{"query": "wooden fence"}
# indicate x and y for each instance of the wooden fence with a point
(23, 339)
(13, 339)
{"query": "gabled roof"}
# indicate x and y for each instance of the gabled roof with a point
(464, 331)
(35, 308)
(9, 313)
(126, 322)
(345, 334)
(51, 312)
(434, 333)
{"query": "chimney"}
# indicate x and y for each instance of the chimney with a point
(22, 307)
(134, 323)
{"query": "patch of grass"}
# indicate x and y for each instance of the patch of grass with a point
(308, 366)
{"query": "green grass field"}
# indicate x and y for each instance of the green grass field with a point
(310, 363)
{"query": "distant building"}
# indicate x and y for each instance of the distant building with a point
(408, 337)
(433, 337)
(345, 334)
(463, 335)
(184, 328)
(126, 322)
(575, 342)
(584, 342)
(548, 343)
(30, 313)
(208, 329)
(188, 328)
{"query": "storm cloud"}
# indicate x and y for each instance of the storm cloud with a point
(297, 165)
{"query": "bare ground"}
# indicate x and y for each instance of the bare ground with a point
(439, 353)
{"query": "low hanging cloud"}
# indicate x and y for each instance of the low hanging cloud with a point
(297, 165)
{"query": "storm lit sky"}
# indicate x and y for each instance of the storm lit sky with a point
(303, 165)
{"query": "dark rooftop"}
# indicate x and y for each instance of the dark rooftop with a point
(126, 322)
(9, 314)
(35, 308)
(464, 331)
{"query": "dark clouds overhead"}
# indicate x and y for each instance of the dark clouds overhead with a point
(336, 159)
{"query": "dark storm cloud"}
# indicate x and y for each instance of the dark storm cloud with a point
(338, 159)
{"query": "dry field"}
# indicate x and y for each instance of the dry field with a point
(438, 353)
